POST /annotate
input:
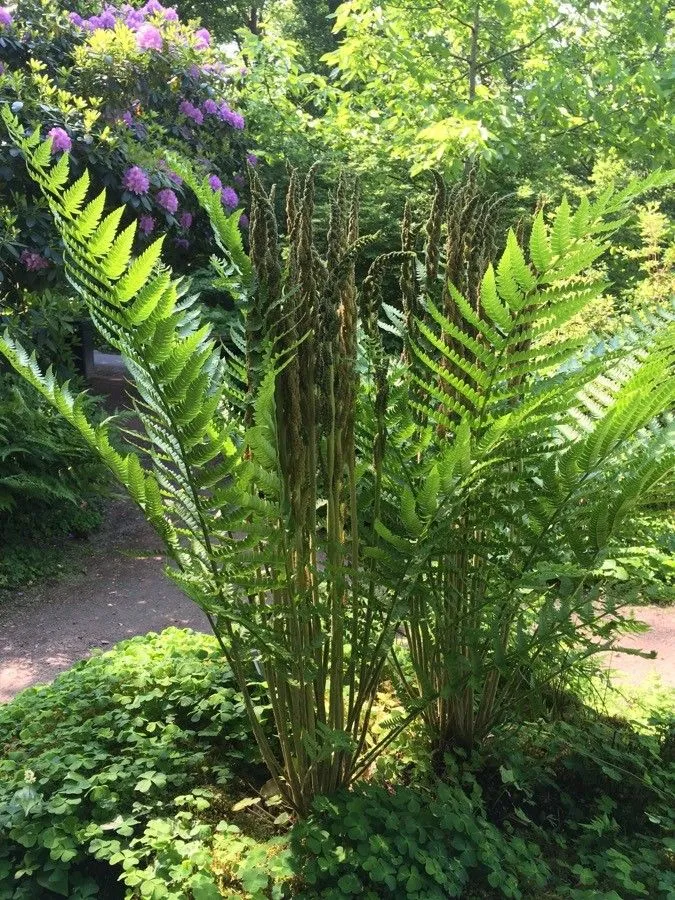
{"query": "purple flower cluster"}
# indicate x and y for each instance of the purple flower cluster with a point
(133, 18)
(146, 224)
(191, 112)
(60, 140)
(235, 119)
(185, 220)
(202, 39)
(211, 108)
(229, 197)
(251, 159)
(167, 200)
(136, 180)
(148, 37)
(105, 20)
(215, 182)
(5, 17)
(33, 261)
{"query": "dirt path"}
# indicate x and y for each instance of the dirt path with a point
(119, 589)
(661, 638)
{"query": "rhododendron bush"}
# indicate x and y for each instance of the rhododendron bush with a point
(119, 88)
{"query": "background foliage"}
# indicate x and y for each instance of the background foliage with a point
(121, 105)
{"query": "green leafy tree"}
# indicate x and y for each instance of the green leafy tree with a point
(535, 89)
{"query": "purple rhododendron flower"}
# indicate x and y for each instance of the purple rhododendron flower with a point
(5, 17)
(175, 177)
(60, 140)
(182, 243)
(146, 224)
(136, 180)
(251, 159)
(134, 19)
(210, 107)
(215, 182)
(229, 197)
(203, 39)
(33, 261)
(239, 179)
(194, 71)
(235, 119)
(243, 220)
(149, 38)
(185, 220)
(167, 200)
(190, 111)
(127, 118)
(170, 14)
(152, 6)
(106, 19)
(76, 19)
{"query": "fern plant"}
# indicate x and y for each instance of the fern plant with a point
(252, 483)
(501, 488)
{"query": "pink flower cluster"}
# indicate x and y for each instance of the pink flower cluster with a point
(33, 261)
(60, 140)
(148, 37)
(202, 39)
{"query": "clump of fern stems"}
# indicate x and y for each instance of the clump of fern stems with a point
(501, 490)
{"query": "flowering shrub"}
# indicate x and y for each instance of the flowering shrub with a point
(117, 89)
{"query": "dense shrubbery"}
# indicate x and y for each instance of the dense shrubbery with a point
(131, 776)
(50, 485)
(118, 90)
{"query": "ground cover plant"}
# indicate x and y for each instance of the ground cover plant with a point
(136, 774)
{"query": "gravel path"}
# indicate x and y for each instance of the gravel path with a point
(118, 589)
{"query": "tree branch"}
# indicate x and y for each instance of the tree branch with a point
(516, 50)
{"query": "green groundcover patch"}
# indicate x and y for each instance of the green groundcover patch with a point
(135, 775)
